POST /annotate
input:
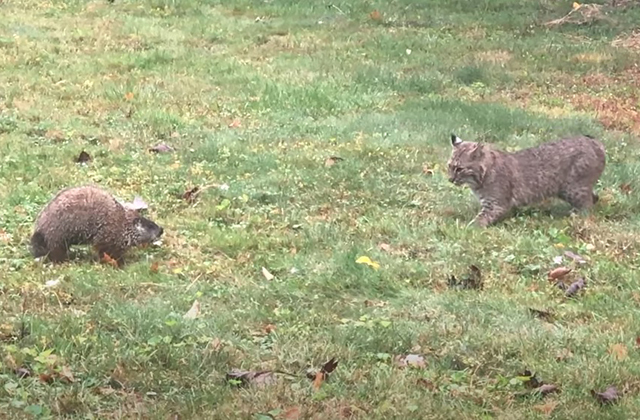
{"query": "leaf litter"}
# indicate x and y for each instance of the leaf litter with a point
(608, 396)
(410, 360)
(575, 287)
(472, 281)
(83, 157)
(161, 148)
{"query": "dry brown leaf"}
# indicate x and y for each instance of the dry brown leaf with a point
(292, 413)
(317, 382)
(46, 378)
(547, 408)
(426, 169)
(154, 267)
(626, 188)
(55, 135)
(190, 195)
(618, 351)
(384, 247)
(609, 396)
(332, 160)
(194, 311)
(235, 123)
(269, 328)
(66, 374)
(563, 354)
(107, 259)
(128, 96)
(410, 360)
(267, 275)
(375, 15)
(161, 148)
(426, 384)
(559, 272)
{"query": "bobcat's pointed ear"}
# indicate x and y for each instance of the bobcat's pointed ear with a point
(455, 140)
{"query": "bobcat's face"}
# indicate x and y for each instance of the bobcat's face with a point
(465, 164)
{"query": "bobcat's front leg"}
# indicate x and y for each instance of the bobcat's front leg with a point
(491, 213)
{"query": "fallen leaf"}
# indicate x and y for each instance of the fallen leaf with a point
(547, 316)
(161, 148)
(384, 247)
(530, 380)
(137, 204)
(638, 342)
(563, 354)
(625, 188)
(128, 96)
(546, 389)
(107, 259)
(46, 378)
(618, 351)
(194, 311)
(246, 377)
(154, 267)
(324, 371)
(366, 260)
(235, 123)
(317, 382)
(83, 157)
(66, 374)
(191, 195)
(547, 408)
(52, 283)
(55, 135)
(22, 372)
(332, 160)
(269, 328)
(558, 272)
(267, 275)
(375, 15)
(575, 287)
(472, 281)
(426, 383)
(410, 360)
(609, 396)
(427, 170)
(575, 257)
(576, 5)
(292, 413)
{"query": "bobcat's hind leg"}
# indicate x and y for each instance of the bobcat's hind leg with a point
(580, 198)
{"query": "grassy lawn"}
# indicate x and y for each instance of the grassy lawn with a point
(256, 96)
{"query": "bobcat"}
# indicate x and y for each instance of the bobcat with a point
(567, 168)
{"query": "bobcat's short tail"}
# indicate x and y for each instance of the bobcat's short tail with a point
(38, 245)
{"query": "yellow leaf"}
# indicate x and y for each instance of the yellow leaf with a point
(366, 260)
(576, 5)
(128, 96)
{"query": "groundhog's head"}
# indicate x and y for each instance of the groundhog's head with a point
(144, 230)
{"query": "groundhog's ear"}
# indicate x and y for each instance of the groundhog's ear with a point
(455, 140)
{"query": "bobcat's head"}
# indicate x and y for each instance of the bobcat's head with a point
(467, 162)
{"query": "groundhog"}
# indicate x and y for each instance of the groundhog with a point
(88, 215)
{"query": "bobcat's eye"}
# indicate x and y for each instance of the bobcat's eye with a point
(458, 169)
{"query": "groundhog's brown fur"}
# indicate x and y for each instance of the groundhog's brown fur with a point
(88, 215)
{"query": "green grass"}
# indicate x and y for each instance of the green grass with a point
(309, 80)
